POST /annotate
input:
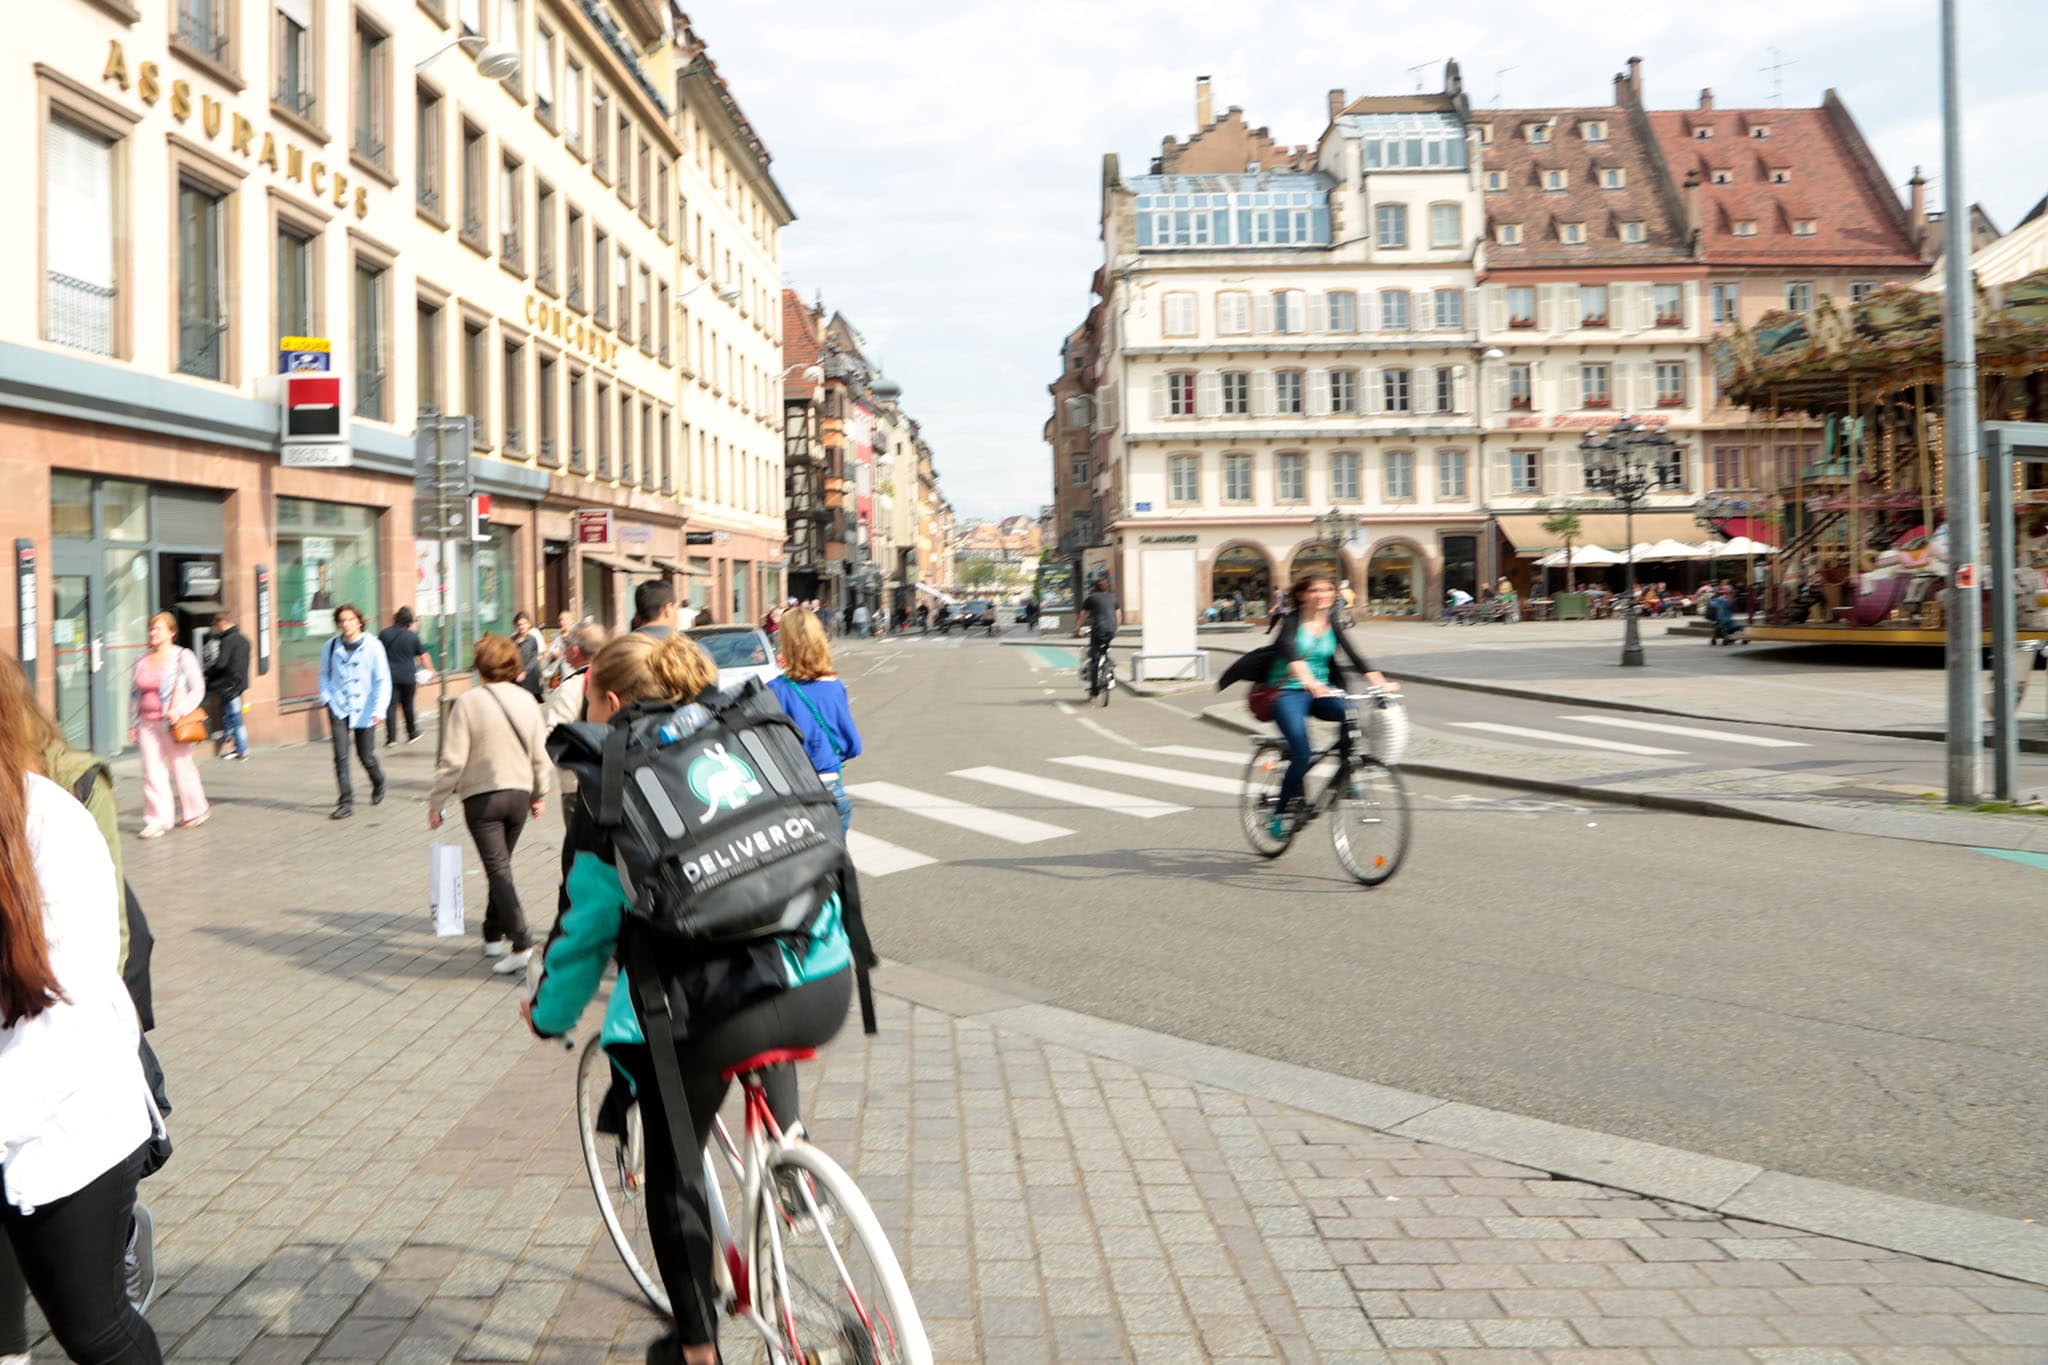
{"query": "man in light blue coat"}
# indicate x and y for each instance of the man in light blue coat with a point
(355, 687)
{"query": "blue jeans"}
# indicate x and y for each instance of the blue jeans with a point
(837, 786)
(1291, 712)
(231, 726)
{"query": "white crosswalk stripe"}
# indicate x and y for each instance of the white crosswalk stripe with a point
(1072, 793)
(1559, 737)
(994, 823)
(1236, 758)
(1203, 782)
(878, 858)
(1719, 736)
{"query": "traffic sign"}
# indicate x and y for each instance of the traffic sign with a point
(440, 521)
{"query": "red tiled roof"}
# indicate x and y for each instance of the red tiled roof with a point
(800, 347)
(1541, 212)
(1829, 182)
(1403, 104)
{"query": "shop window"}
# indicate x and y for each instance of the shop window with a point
(1393, 582)
(327, 557)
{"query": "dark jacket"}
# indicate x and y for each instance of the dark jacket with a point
(1257, 666)
(228, 674)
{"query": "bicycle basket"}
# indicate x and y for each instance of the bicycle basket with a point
(1386, 730)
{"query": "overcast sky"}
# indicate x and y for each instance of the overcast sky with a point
(944, 159)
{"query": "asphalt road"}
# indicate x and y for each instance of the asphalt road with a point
(1861, 1010)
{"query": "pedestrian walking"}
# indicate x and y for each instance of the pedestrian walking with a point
(552, 670)
(860, 621)
(826, 617)
(406, 655)
(654, 608)
(526, 640)
(227, 679)
(924, 617)
(493, 760)
(167, 704)
(76, 1116)
(815, 700)
(565, 704)
(355, 687)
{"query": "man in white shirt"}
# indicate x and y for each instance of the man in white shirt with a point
(580, 645)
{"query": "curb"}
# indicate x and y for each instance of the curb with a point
(1736, 1189)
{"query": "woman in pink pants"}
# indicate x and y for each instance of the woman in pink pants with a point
(168, 683)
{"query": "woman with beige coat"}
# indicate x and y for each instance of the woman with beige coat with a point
(494, 757)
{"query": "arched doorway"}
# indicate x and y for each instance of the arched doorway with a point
(1320, 556)
(1396, 578)
(1242, 569)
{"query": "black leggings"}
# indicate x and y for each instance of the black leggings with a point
(402, 694)
(495, 820)
(68, 1254)
(678, 1211)
(365, 740)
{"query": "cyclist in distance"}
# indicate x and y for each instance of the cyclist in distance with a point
(728, 1002)
(1100, 616)
(1308, 636)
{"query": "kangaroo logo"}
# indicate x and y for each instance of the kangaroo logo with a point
(721, 781)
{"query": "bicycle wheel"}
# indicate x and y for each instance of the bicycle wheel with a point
(1106, 675)
(1369, 821)
(617, 1165)
(1260, 798)
(829, 1284)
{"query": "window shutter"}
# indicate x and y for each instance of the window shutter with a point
(1375, 399)
(1368, 310)
(1646, 386)
(1208, 394)
(1231, 318)
(79, 204)
(1318, 312)
(1180, 314)
(1297, 310)
(1159, 408)
(1265, 313)
(1570, 310)
(1546, 307)
(1106, 408)
(1688, 303)
(1637, 304)
(1497, 390)
(1422, 390)
(1471, 318)
(1262, 393)
(1496, 308)
(1422, 310)
(1319, 391)
(1461, 388)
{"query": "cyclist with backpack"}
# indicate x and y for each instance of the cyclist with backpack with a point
(814, 699)
(734, 923)
(1101, 614)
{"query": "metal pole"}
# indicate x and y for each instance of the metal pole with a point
(1631, 632)
(2005, 744)
(1960, 438)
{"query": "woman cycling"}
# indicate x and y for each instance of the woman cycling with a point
(814, 699)
(1310, 683)
(728, 1003)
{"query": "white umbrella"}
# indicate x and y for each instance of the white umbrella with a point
(1743, 545)
(1666, 550)
(1591, 555)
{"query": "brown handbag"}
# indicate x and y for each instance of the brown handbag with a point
(189, 728)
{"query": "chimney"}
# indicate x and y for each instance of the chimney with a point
(1707, 100)
(1635, 78)
(1692, 206)
(1337, 103)
(1204, 107)
(1916, 213)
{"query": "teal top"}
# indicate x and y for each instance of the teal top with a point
(1317, 650)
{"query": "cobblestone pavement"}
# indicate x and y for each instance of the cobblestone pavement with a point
(375, 1163)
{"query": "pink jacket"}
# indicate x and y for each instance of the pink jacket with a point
(187, 691)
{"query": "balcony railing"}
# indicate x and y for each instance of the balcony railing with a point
(429, 199)
(199, 29)
(81, 315)
(199, 348)
(370, 394)
(297, 98)
(368, 147)
(544, 271)
(514, 438)
(511, 246)
(575, 293)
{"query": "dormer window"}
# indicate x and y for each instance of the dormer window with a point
(1485, 131)
(1613, 178)
(1554, 180)
(1745, 227)
(1496, 180)
(1703, 134)
(1508, 234)
(1593, 131)
(1572, 234)
(1536, 132)
(1781, 175)
(1634, 233)
(1760, 132)
(1721, 177)
(1804, 227)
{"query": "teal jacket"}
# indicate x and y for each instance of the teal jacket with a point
(703, 990)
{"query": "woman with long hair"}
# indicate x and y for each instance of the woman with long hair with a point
(813, 696)
(167, 685)
(1310, 682)
(74, 1108)
(730, 1002)
(494, 757)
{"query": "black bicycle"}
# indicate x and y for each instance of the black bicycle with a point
(1098, 671)
(1367, 802)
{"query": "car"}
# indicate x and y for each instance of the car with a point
(977, 613)
(741, 652)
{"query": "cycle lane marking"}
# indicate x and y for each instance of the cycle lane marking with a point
(1559, 737)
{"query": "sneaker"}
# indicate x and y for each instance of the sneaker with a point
(377, 795)
(412, 739)
(513, 962)
(154, 831)
(497, 947)
(138, 1262)
(1276, 828)
(341, 812)
(21, 1359)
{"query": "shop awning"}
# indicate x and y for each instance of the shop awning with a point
(619, 562)
(1608, 530)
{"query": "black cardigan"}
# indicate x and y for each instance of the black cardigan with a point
(1258, 665)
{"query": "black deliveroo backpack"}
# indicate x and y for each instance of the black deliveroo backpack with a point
(720, 829)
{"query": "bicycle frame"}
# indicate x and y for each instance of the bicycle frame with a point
(736, 1275)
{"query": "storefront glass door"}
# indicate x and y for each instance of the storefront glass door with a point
(71, 652)
(123, 611)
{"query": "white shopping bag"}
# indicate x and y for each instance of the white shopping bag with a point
(444, 888)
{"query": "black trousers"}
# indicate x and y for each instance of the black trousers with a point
(366, 750)
(495, 820)
(678, 1208)
(68, 1254)
(402, 694)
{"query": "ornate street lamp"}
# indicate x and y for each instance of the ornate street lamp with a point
(1627, 461)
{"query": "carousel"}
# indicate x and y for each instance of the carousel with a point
(1858, 524)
